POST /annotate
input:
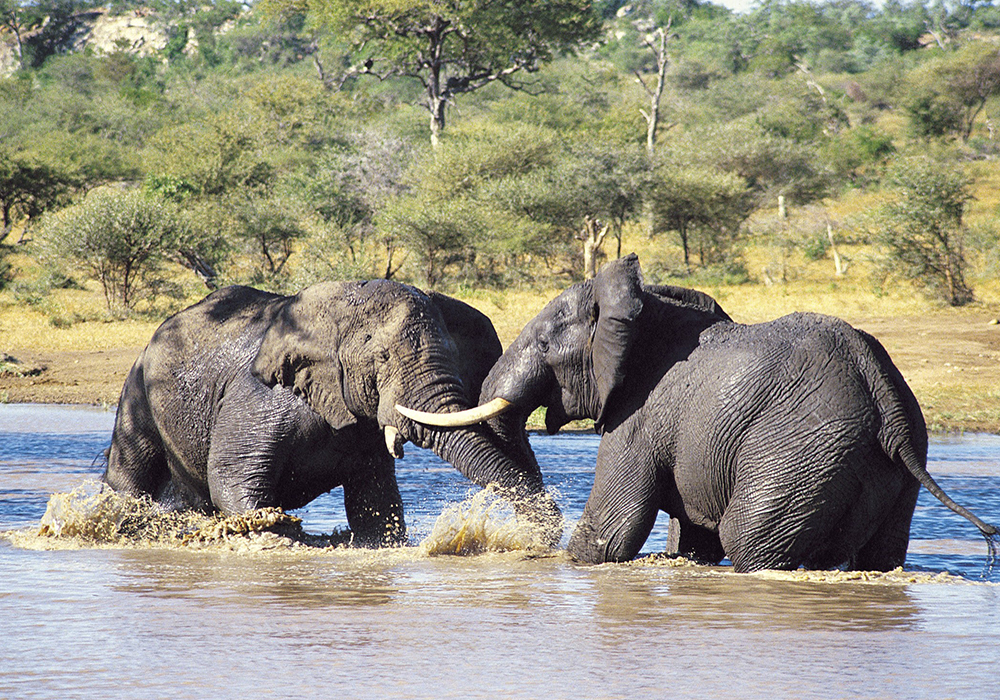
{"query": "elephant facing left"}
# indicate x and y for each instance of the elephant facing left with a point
(249, 399)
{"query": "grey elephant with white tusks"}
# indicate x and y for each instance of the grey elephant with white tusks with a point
(782, 444)
(249, 400)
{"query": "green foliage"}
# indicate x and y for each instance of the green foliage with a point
(858, 155)
(947, 95)
(282, 159)
(769, 164)
(121, 238)
(452, 48)
(920, 233)
(6, 269)
(476, 202)
(704, 207)
(214, 156)
(28, 186)
(266, 230)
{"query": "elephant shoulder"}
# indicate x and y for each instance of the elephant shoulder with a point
(821, 331)
(792, 329)
(230, 303)
(771, 345)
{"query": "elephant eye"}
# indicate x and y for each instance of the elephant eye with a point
(543, 344)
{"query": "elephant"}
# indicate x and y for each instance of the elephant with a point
(790, 443)
(249, 399)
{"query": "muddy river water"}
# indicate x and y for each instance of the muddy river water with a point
(236, 615)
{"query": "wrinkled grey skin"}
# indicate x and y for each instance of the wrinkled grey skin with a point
(781, 444)
(249, 399)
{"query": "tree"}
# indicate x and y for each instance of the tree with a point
(770, 165)
(221, 154)
(347, 186)
(948, 95)
(27, 188)
(704, 207)
(18, 19)
(657, 45)
(600, 186)
(474, 203)
(51, 25)
(437, 235)
(210, 168)
(919, 233)
(121, 238)
(453, 48)
(267, 229)
(858, 155)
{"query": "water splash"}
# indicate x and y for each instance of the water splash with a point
(92, 515)
(483, 522)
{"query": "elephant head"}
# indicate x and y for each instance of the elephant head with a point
(382, 353)
(577, 356)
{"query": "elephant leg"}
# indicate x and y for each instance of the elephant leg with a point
(250, 444)
(622, 507)
(372, 501)
(784, 528)
(237, 484)
(886, 550)
(137, 463)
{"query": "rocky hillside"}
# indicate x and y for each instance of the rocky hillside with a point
(139, 31)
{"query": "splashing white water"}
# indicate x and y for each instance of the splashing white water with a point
(483, 522)
(92, 515)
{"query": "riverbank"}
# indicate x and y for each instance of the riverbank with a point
(949, 357)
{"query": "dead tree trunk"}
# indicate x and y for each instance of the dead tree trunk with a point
(593, 236)
(661, 36)
(838, 262)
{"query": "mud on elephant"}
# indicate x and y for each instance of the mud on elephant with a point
(781, 444)
(249, 399)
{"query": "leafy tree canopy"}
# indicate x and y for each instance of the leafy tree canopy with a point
(452, 48)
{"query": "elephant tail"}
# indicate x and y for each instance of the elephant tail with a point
(916, 467)
(904, 433)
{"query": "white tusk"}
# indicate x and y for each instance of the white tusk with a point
(394, 441)
(458, 419)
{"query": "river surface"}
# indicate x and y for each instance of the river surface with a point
(248, 616)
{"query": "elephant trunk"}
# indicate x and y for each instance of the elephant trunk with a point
(473, 439)
(520, 377)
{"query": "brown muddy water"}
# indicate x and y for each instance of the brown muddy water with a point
(223, 609)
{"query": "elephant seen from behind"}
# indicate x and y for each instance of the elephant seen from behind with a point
(249, 399)
(783, 444)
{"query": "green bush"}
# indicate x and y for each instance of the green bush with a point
(121, 238)
(920, 234)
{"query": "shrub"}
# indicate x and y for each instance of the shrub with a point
(920, 233)
(121, 238)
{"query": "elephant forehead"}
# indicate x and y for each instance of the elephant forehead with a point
(574, 305)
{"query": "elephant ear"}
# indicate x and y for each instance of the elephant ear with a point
(618, 295)
(292, 356)
(475, 339)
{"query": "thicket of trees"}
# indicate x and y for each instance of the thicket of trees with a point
(483, 143)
